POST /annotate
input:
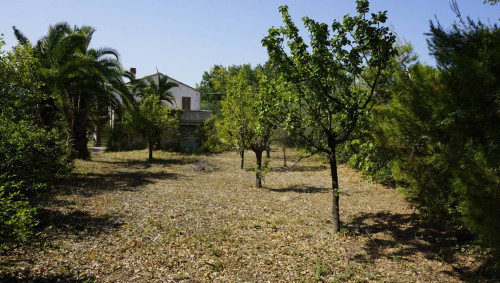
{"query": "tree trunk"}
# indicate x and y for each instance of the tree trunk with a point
(242, 155)
(258, 172)
(268, 152)
(78, 133)
(335, 186)
(284, 156)
(150, 146)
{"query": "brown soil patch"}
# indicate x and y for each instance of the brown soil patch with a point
(198, 218)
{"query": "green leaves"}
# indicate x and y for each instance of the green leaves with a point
(328, 78)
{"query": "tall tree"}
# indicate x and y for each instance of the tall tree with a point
(336, 77)
(77, 78)
(468, 57)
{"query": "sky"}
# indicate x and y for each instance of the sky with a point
(183, 39)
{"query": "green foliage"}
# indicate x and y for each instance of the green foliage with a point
(491, 2)
(210, 141)
(32, 154)
(237, 118)
(31, 158)
(77, 80)
(469, 59)
(151, 119)
(366, 150)
(213, 84)
(442, 130)
(20, 95)
(117, 136)
(17, 218)
(250, 112)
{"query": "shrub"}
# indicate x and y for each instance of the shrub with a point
(31, 158)
(17, 217)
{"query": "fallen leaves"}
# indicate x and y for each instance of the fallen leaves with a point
(198, 218)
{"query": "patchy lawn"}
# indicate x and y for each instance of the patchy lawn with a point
(198, 218)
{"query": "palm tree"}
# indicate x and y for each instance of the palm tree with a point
(79, 78)
(159, 88)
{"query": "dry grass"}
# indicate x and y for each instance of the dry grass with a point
(198, 218)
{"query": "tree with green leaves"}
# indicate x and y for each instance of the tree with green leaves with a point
(335, 77)
(77, 79)
(467, 149)
(234, 124)
(249, 115)
(213, 86)
(32, 155)
(152, 116)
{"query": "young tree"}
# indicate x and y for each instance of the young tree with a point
(250, 115)
(236, 116)
(152, 116)
(336, 78)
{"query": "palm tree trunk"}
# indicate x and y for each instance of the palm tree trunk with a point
(78, 133)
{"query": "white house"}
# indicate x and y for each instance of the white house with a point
(187, 98)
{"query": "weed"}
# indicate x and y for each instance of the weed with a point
(321, 269)
(344, 276)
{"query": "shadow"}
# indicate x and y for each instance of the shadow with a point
(144, 164)
(71, 278)
(406, 236)
(403, 235)
(182, 159)
(300, 168)
(76, 222)
(302, 189)
(94, 183)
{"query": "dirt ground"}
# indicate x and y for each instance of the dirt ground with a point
(198, 218)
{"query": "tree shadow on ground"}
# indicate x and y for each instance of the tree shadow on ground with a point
(93, 183)
(398, 236)
(61, 224)
(76, 222)
(70, 278)
(145, 164)
(300, 168)
(301, 189)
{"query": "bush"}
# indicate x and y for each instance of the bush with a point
(210, 141)
(17, 217)
(31, 158)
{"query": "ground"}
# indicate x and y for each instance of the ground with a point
(198, 218)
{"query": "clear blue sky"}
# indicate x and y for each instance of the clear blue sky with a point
(185, 38)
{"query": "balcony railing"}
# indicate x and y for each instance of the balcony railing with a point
(194, 117)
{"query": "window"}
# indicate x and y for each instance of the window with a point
(186, 103)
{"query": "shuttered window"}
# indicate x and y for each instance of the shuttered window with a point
(186, 103)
